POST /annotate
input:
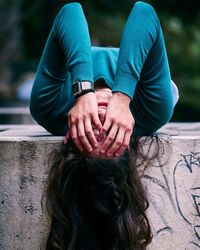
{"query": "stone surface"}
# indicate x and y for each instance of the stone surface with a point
(174, 196)
(173, 190)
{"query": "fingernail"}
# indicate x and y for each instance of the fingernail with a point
(117, 155)
(95, 145)
(102, 151)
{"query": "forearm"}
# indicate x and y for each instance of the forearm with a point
(123, 98)
(72, 35)
(67, 51)
(66, 56)
(139, 36)
(67, 48)
(143, 70)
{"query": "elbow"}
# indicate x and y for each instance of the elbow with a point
(35, 107)
(32, 108)
(69, 8)
(166, 113)
(145, 8)
(34, 111)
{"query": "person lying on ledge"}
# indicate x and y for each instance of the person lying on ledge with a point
(118, 91)
(101, 98)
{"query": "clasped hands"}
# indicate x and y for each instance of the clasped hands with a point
(114, 134)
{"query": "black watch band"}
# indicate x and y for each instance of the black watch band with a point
(82, 87)
(85, 92)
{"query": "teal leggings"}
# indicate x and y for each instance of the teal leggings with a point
(142, 70)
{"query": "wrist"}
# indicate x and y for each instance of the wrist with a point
(85, 92)
(122, 97)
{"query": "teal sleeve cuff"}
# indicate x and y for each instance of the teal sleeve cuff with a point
(125, 83)
(81, 72)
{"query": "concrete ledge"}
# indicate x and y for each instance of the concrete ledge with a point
(174, 190)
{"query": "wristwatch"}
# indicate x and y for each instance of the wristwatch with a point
(82, 87)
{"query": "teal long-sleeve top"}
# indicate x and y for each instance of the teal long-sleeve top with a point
(139, 69)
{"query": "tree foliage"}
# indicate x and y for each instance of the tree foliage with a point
(180, 20)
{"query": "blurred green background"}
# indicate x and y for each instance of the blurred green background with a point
(25, 24)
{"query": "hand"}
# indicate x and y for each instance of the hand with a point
(119, 122)
(81, 117)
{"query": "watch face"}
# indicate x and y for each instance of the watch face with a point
(81, 86)
(75, 88)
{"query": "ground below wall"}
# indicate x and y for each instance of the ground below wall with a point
(173, 190)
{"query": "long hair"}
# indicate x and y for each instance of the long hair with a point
(95, 203)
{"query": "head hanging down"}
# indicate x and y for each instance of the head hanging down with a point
(95, 203)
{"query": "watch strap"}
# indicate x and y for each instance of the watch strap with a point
(85, 92)
(80, 87)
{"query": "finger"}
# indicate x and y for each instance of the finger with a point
(67, 137)
(90, 134)
(96, 121)
(68, 131)
(103, 131)
(124, 145)
(117, 142)
(83, 138)
(109, 139)
(69, 122)
(106, 126)
(74, 136)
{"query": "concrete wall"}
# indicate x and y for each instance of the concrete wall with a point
(174, 195)
(174, 190)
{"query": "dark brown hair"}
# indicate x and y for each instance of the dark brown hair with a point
(95, 203)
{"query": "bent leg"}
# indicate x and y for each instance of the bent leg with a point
(143, 67)
(65, 59)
